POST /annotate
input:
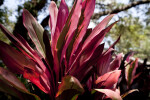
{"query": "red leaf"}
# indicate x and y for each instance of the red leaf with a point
(15, 60)
(19, 63)
(67, 32)
(109, 79)
(86, 67)
(73, 56)
(34, 77)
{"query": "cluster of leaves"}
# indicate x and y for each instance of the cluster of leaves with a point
(134, 78)
(70, 65)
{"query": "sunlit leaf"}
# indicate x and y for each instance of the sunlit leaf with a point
(111, 94)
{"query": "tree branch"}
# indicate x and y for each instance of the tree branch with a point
(117, 10)
(44, 22)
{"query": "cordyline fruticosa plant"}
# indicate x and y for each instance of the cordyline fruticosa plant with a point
(69, 65)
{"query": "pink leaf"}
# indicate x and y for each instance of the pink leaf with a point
(11, 85)
(86, 68)
(73, 56)
(53, 16)
(53, 20)
(115, 64)
(111, 94)
(68, 30)
(57, 24)
(19, 63)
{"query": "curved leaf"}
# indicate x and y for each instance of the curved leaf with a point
(15, 60)
(11, 85)
(109, 79)
(111, 94)
(69, 83)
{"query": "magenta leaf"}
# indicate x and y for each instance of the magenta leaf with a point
(86, 13)
(35, 78)
(15, 60)
(97, 30)
(84, 70)
(67, 33)
(73, 56)
(69, 28)
(49, 56)
(91, 46)
(10, 78)
(57, 20)
(104, 62)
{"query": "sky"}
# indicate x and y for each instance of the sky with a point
(12, 5)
